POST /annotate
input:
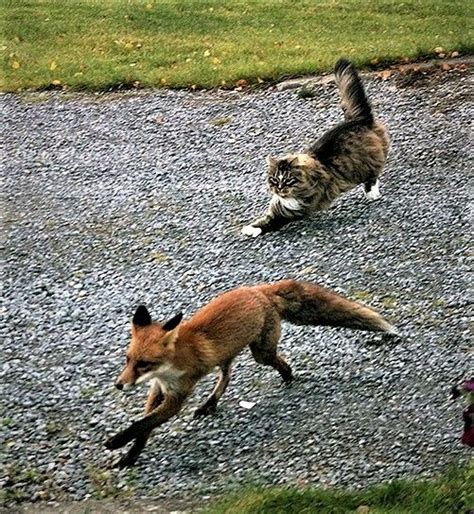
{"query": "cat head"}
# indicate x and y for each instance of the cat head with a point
(287, 175)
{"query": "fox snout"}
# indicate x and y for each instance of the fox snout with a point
(126, 379)
(121, 385)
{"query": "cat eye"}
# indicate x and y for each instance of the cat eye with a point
(290, 182)
(272, 181)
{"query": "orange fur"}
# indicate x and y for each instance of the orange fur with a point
(175, 358)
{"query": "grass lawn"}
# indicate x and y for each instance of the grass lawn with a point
(449, 494)
(205, 43)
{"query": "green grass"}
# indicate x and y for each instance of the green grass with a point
(451, 493)
(105, 44)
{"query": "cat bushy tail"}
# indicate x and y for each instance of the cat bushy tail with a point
(355, 103)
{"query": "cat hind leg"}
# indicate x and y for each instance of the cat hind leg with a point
(372, 190)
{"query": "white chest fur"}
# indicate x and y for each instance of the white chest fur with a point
(166, 376)
(289, 203)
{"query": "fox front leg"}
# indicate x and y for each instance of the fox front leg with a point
(155, 397)
(141, 429)
(209, 407)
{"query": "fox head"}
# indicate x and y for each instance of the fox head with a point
(151, 345)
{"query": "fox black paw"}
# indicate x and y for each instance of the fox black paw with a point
(117, 441)
(127, 461)
(204, 410)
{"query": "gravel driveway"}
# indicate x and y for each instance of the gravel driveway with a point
(111, 200)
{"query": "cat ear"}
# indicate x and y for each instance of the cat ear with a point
(142, 317)
(173, 322)
(292, 161)
(271, 161)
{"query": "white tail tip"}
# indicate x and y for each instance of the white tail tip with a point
(392, 331)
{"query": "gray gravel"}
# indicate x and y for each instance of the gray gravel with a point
(112, 200)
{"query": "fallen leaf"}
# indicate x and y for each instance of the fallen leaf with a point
(246, 405)
(445, 66)
(455, 54)
(384, 75)
(15, 65)
(53, 65)
(439, 49)
(220, 122)
(207, 53)
(241, 83)
(56, 82)
(159, 257)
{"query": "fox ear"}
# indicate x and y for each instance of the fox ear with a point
(271, 161)
(173, 322)
(142, 317)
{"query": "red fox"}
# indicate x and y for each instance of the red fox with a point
(175, 355)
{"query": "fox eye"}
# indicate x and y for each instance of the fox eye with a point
(143, 364)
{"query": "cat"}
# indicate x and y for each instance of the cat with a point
(352, 153)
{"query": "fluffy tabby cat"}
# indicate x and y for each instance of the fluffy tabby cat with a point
(351, 153)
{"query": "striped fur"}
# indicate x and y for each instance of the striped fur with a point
(351, 153)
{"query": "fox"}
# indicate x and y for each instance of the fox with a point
(173, 356)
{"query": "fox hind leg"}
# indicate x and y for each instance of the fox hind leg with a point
(264, 350)
(209, 407)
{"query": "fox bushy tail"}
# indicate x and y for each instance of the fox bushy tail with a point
(355, 103)
(303, 303)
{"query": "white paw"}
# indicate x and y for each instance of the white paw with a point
(248, 230)
(374, 193)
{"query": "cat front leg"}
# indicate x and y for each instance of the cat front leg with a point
(277, 216)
